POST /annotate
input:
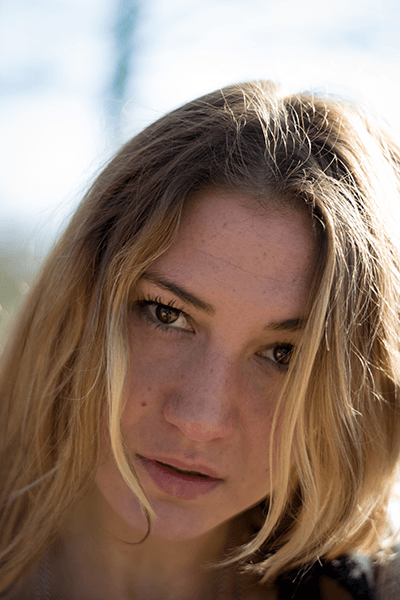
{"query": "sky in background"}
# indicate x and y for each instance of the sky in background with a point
(60, 119)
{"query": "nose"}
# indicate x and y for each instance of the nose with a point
(203, 403)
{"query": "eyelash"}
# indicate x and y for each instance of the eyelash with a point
(143, 303)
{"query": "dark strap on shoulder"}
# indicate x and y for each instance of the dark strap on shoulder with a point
(388, 577)
(354, 574)
(301, 584)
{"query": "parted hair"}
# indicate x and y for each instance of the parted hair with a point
(64, 365)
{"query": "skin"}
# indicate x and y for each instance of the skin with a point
(203, 390)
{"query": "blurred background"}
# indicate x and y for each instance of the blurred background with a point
(79, 77)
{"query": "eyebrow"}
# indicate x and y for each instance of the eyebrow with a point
(287, 325)
(189, 298)
(179, 291)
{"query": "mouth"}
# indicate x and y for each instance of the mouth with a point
(191, 473)
(179, 483)
(177, 465)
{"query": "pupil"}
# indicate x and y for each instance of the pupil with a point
(282, 354)
(166, 314)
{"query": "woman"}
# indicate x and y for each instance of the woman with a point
(201, 396)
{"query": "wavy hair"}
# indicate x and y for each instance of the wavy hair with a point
(63, 370)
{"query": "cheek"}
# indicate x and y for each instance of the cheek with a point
(116, 501)
(148, 373)
(141, 395)
(113, 496)
(259, 402)
(258, 423)
(151, 375)
(140, 384)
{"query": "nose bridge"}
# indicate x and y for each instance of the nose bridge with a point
(203, 403)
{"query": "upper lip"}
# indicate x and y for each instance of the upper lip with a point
(185, 466)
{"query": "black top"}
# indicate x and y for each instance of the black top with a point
(355, 574)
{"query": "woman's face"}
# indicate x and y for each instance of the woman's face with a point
(211, 332)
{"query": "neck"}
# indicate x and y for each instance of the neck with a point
(94, 553)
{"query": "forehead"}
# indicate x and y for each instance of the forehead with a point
(227, 241)
(244, 234)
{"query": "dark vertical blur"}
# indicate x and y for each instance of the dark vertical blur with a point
(125, 42)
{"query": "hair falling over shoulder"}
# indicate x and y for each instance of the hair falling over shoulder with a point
(63, 370)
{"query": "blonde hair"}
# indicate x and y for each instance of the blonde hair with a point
(66, 361)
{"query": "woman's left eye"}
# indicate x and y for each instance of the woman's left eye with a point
(280, 354)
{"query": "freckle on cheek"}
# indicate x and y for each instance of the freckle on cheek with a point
(144, 403)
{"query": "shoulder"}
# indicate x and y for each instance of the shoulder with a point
(354, 574)
(343, 579)
(362, 577)
(388, 577)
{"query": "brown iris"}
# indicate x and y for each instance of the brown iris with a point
(282, 354)
(166, 314)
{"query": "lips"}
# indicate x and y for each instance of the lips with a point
(187, 483)
(194, 469)
(183, 472)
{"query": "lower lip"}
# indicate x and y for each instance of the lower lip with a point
(178, 485)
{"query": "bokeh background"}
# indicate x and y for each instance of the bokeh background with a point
(79, 77)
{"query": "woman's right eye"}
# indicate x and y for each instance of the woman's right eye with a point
(167, 315)
(163, 316)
